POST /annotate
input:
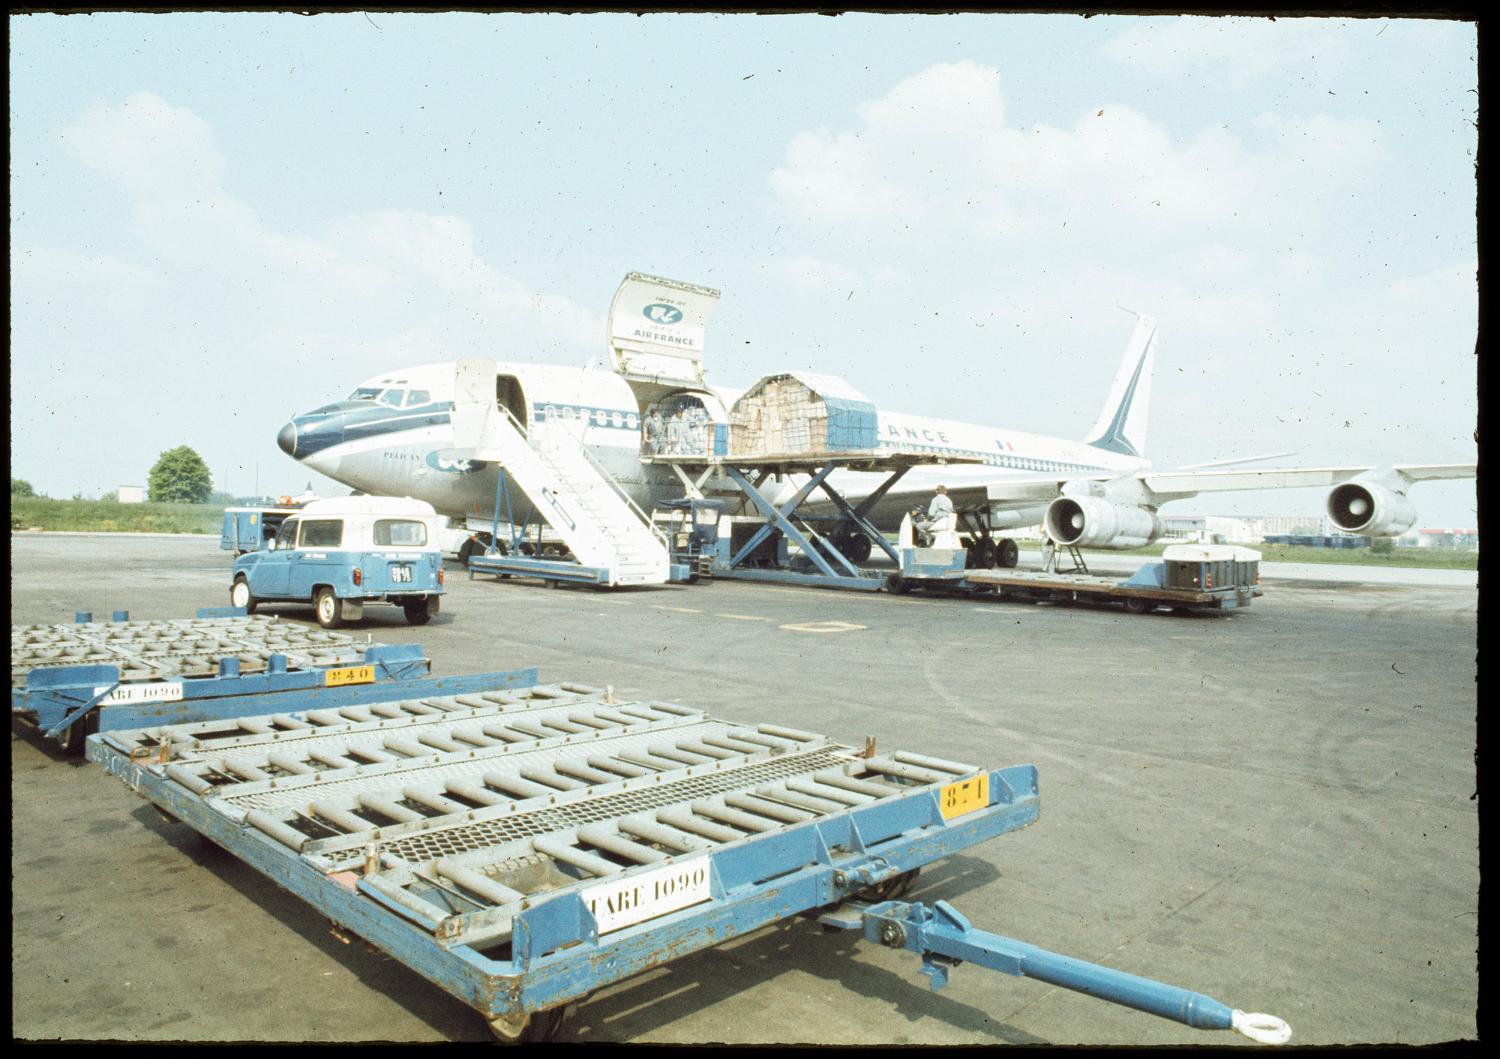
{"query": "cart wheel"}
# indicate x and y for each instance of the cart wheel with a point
(70, 739)
(1137, 606)
(538, 1027)
(330, 609)
(897, 584)
(241, 596)
(890, 889)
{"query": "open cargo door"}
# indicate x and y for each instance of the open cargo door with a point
(656, 329)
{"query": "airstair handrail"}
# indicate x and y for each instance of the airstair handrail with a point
(608, 478)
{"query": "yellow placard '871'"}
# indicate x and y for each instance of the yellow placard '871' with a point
(965, 796)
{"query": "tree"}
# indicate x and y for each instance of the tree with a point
(180, 477)
(21, 487)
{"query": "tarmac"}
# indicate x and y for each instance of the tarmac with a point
(1275, 806)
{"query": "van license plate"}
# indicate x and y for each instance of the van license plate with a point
(400, 573)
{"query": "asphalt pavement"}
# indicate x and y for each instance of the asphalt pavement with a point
(1275, 806)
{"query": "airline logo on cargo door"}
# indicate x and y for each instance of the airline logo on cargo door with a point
(658, 313)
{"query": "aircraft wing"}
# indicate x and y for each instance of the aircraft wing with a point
(1168, 483)
(980, 488)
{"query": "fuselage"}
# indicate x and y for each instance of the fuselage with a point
(393, 436)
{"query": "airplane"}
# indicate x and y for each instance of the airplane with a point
(395, 434)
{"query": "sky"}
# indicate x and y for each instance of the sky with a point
(222, 219)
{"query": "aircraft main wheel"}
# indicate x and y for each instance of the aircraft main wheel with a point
(983, 553)
(241, 596)
(1006, 553)
(539, 1027)
(466, 551)
(856, 548)
(330, 609)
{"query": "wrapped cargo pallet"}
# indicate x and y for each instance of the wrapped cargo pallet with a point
(800, 413)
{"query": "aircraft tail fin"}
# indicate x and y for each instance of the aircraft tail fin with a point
(1121, 426)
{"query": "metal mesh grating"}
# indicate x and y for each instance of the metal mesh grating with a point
(439, 774)
(468, 838)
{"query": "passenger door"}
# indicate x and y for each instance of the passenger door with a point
(319, 558)
(270, 578)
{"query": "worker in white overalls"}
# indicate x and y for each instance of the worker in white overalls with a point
(941, 523)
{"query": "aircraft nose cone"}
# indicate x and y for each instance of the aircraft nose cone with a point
(286, 439)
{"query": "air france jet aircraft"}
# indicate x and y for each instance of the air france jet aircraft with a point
(398, 433)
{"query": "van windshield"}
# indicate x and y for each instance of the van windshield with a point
(400, 533)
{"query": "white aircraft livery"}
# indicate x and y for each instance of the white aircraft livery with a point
(413, 432)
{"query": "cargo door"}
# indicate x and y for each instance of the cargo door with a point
(657, 328)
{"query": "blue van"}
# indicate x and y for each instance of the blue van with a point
(342, 553)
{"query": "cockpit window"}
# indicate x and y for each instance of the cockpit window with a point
(365, 393)
(414, 397)
(392, 398)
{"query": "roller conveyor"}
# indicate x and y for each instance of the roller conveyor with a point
(69, 679)
(522, 847)
(186, 647)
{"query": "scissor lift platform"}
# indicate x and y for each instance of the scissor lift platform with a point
(820, 561)
(88, 675)
(524, 847)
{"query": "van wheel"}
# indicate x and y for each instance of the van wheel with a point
(241, 596)
(421, 611)
(330, 608)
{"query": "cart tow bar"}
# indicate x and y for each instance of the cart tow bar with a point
(944, 939)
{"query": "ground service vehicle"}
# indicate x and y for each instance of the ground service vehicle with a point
(342, 553)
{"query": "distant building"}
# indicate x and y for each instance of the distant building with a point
(131, 494)
(1457, 539)
(1243, 529)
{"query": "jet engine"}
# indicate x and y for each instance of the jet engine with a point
(1094, 522)
(1364, 506)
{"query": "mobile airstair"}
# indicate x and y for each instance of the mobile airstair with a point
(606, 532)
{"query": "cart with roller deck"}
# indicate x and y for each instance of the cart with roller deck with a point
(72, 679)
(522, 848)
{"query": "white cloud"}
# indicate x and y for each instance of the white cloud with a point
(1239, 51)
(817, 275)
(358, 271)
(933, 160)
(149, 147)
